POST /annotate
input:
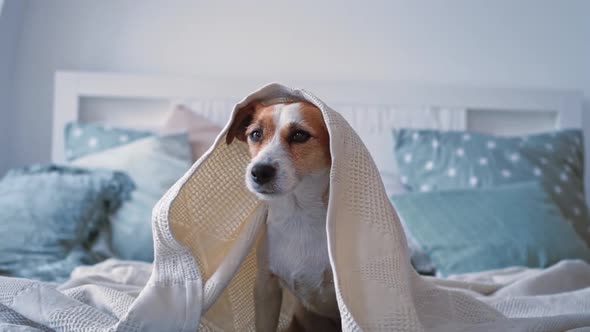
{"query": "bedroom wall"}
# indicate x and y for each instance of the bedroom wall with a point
(11, 18)
(499, 43)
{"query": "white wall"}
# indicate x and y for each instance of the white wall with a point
(500, 43)
(11, 18)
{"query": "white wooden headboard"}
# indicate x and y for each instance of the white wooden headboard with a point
(141, 101)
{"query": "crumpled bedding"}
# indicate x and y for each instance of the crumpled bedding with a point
(91, 287)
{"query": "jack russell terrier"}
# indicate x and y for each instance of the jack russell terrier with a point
(290, 170)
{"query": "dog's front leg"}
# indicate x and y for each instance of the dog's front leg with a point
(268, 294)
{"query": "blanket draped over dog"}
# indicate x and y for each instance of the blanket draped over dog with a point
(205, 229)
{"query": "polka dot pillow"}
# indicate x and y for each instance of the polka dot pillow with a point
(82, 139)
(431, 160)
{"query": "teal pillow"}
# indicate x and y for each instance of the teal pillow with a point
(469, 230)
(155, 164)
(430, 160)
(82, 139)
(50, 215)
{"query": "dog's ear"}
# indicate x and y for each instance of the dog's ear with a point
(241, 122)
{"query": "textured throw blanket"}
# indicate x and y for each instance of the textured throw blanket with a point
(205, 229)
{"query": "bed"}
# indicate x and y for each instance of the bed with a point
(421, 115)
(372, 108)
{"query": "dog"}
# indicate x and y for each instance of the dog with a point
(290, 170)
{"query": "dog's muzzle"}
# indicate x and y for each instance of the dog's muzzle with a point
(263, 173)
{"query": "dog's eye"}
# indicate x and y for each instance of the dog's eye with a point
(299, 136)
(256, 135)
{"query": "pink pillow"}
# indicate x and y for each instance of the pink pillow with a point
(201, 131)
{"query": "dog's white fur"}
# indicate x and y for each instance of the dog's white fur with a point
(293, 254)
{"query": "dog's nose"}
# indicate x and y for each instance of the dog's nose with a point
(262, 173)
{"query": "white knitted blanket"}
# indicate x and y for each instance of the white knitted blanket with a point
(205, 228)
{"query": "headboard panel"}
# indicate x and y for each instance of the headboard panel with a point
(141, 101)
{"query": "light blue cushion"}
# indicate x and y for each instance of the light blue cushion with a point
(155, 164)
(430, 160)
(49, 215)
(471, 230)
(82, 139)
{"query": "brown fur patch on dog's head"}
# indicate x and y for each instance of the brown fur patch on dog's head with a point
(241, 121)
(315, 153)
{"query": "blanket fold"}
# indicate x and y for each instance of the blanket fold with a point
(205, 230)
